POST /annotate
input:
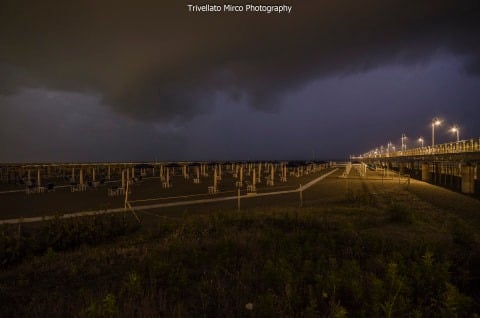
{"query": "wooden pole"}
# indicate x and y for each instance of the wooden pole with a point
(301, 196)
(126, 197)
(214, 180)
(238, 199)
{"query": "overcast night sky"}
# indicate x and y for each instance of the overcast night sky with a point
(148, 80)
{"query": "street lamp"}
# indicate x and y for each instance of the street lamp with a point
(435, 122)
(457, 130)
(420, 140)
(404, 145)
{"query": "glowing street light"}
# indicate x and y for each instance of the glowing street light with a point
(404, 145)
(435, 122)
(421, 141)
(457, 130)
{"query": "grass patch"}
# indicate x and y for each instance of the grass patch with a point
(21, 241)
(279, 262)
(400, 213)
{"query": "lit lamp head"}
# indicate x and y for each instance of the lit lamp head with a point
(456, 130)
(436, 122)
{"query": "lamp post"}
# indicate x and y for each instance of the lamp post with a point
(435, 122)
(420, 140)
(455, 129)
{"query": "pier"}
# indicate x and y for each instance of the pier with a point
(454, 165)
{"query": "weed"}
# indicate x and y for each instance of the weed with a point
(106, 308)
(293, 263)
(401, 214)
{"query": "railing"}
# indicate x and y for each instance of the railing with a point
(462, 146)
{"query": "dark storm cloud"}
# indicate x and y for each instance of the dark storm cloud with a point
(157, 61)
(42, 126)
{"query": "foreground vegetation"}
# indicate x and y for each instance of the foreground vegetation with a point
(353, 259)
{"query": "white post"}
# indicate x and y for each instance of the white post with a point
(123, 179)
(93, 174)
(168, 178)
(198, 172)
(108, 174)
(241, 173)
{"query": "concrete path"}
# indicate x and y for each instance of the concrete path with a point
(164, 205)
